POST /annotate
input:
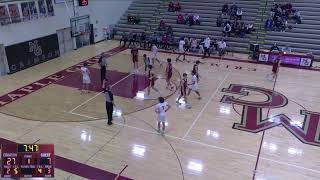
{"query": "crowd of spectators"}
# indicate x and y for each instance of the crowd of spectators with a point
(174, 6)
(133, 19)
(166, 41)
(231, 21)
(161, 39)
(280, 14)
(190, 19)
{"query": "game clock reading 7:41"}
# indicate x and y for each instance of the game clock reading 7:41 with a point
(27, 160)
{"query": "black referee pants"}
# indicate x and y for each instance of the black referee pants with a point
(109, 108)
(103, 73)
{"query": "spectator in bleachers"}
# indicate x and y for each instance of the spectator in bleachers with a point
(196, 19)
(269, 24)
(233, 10)
(194, 45)
(154, 38)
(206, 46)
(297, 16)
(286, 49)
(171, 7)
(242, 29)
(134, 19)
(124, 39)
(191, 20)
(132, 38)
(162, 25)
(219, 21)
(225, 8)
(143, 40)
(222, 45)
(275, 47)
(239, 13)
(165, 41)
(227, 30)
(180, 19)
(187, 46)
(236, 28)
(280, 14)
(169, 30)
(177, 6)
(215, 44)
(249, 28)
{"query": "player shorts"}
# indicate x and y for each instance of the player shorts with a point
(135, 59)
(169, 75)
(86, 80)
(194, 88)
(162, 118)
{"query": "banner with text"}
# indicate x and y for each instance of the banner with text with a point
(27, 54)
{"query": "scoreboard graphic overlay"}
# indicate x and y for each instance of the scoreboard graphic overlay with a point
(27, 160)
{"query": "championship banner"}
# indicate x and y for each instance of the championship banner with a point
(42, 9)
(14, 13)
(4, 16)
(33, 10)
(25, 11)
(27, 54)
(50, 7)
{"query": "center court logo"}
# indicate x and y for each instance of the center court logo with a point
(308, 133)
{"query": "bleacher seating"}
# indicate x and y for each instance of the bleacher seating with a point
(209, 11)
(303, 37)
(146, 10)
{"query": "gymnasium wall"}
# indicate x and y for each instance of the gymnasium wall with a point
(102, 13)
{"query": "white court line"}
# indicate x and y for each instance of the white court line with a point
(205, 106)
(102, 92)
(208, 145)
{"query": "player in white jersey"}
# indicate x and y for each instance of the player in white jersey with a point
(85, 78)
(161, 108)
(154, 56)
(194, 84)
(182, 51)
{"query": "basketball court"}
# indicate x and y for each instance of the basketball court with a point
(244, 127)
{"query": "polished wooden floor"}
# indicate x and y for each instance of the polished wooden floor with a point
(199, 143)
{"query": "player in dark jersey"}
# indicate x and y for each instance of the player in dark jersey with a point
(169, 74)
(183, 88)
(196, 69)
(275, 69)
(152, 78)
(135, 54)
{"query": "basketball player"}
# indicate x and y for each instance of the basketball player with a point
(152, 79)
(196, 69)
(194, 85)
(85, 78)
(135, 53)
(145, 60)
(109, 103)
(161, 110)
(169, 74)
(183, 88)
(103, 66)
(275, 69)
(154, 56)
(181, 50)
